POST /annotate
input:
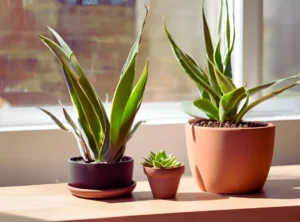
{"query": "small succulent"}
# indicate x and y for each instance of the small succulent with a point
(161, 160)
(100, 139)
(219, 98)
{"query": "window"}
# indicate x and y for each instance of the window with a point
(100, 32)
(281, 41)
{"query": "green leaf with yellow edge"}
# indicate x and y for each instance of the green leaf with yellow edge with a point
(210, 52)
(229, 104)
(190, 69)
(208, 108)
(266, 97)
(56, 120)
(225, 83)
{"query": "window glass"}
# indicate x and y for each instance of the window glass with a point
(101, 33)
(281, 52)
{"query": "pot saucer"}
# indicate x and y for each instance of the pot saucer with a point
(101, 194)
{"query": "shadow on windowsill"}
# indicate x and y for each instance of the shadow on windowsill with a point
(185, 196)
(277, 189)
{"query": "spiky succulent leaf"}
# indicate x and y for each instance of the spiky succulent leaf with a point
(161, 160)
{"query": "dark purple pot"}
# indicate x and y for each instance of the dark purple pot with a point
(100, 176)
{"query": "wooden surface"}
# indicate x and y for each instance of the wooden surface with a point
(280, 201)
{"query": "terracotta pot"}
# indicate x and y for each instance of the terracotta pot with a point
(164, 182)
(100, 176)
(230, 160)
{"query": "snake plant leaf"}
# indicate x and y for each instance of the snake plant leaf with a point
(84, 83)
(189, 68)
(229, 103)
(228, 32)
(240, 114)
(61, 42)
(210, 54)
(267, 85)
(218, 57)
(190, 109)
(224, 82)
(134, 128)
(69, 119)
(131, 110)
(268, 96)
(135, 48)
(164, 155)
(208, 108)
(220, 23)
(158, 156)
(124, 88)
(120, 99)
(56, 120)
(86, 112)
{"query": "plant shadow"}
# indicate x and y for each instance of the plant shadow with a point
(181, 196)
(277, 189)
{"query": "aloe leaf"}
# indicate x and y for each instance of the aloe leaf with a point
(229, 104)
(87, 115)
(210, 53)
(217, 56)
(243, 109)
(69, 119)
(224, 82)
(62, 42)
(190, 109)
(220, 23)
(131, 108)
(190, 69)
(268, 96)
(208, 108)
(135, 48)
(134, 128)
(73, 69)
(227, 25)
(56, 120)
(267, 85)
(121, 97)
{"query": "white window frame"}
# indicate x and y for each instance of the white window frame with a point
(34, 150)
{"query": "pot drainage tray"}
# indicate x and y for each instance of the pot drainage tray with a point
(101, 194)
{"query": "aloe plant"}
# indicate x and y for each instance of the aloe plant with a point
(219, 98)
(100, 139)
(161, 160)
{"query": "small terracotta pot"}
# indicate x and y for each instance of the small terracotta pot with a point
(100, 176)
(230, 160)
(164, 182)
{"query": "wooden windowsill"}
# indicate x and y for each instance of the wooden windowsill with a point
(280, 201)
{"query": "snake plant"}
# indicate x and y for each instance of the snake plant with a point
(100, 139)
(219, 98)
(161, 160)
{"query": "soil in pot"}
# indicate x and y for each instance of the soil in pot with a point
(164, 182)
(218, 124)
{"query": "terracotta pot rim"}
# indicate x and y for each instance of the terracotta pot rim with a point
(72, 160)
(270, 125)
